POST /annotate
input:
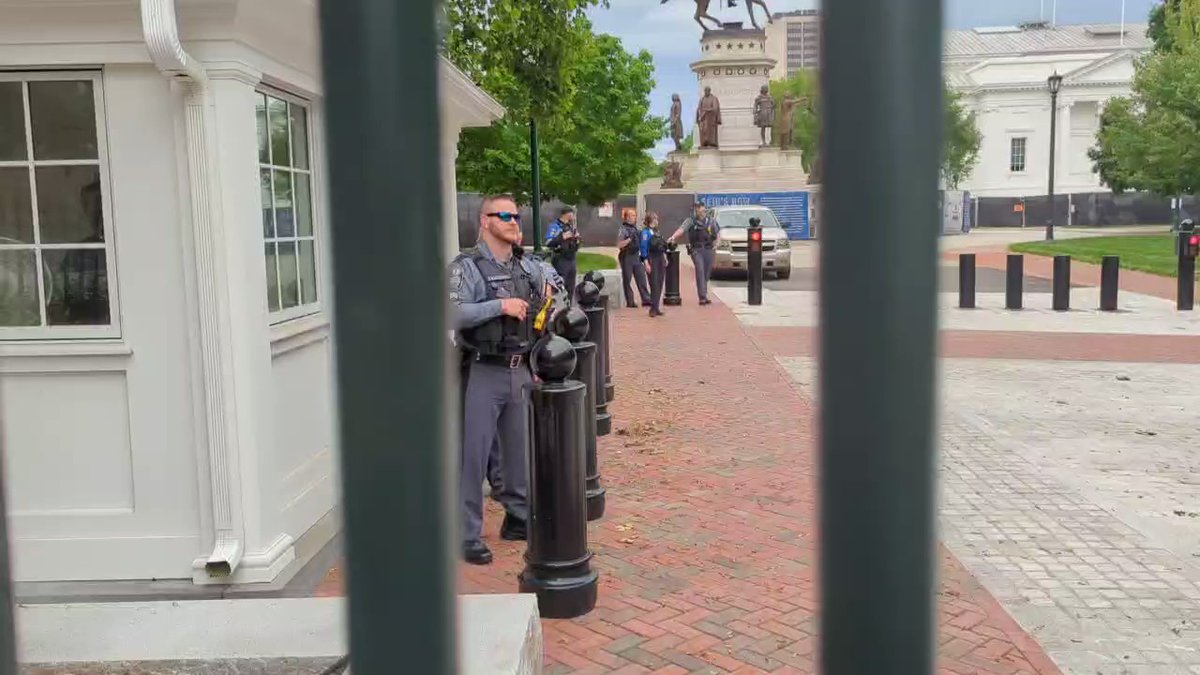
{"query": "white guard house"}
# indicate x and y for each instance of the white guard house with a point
(165, 349)
(1003, 72)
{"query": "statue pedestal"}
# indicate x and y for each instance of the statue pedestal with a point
(735, 66)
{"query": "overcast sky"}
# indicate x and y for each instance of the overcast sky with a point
(670, 34)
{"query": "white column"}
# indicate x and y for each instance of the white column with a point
(449, 155)
(1064, 143)
(247, 338)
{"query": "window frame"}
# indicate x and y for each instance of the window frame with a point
(43, 331)
(282, 316)
(1012, 154)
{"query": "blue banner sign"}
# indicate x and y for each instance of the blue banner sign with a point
(791, 208)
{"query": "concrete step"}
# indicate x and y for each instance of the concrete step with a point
(498, 635)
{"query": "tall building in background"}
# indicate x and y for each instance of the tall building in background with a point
(794, 41)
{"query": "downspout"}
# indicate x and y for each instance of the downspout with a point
(160, 29)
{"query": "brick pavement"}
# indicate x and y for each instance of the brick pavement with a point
(707, 554)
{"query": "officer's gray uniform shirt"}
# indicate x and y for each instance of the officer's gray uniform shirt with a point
(496, 402)
(703, 257)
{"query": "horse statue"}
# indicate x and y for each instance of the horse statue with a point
(702, 12)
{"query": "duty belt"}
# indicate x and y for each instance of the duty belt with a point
(512, 361)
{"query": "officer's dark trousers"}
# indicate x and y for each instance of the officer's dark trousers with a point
(658, 277)
(703, 260)
(633, 270)
(567, 270)
(496, 407)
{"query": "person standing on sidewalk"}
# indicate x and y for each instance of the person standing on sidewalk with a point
(563, 241)
(494, 292)
(629, 255)
(702, 231)
(654, 252)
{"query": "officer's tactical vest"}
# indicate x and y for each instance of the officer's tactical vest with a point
(505, 335)
(569, 247)
(657, 243)
(631, 233)
(700, 234)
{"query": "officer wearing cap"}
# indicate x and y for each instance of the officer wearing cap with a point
(495, 293)
(702, 231)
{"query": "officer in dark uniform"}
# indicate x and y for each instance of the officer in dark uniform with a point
(496, 291)
(702, 231)
(562, 238)
(654, 252)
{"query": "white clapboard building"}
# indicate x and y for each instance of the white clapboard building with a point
(165, 347)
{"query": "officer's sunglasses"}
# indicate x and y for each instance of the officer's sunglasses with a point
(506, 216)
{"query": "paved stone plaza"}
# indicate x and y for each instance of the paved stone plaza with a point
(1070, 506)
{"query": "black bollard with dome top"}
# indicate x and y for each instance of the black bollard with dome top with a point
(587, 371)
(597, 316)
(557, 561)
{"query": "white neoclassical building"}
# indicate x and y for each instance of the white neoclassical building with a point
(1003, 73)
(165, 350)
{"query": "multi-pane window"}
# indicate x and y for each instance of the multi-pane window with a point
(1016, 155)
(286, 181)
(55, 255)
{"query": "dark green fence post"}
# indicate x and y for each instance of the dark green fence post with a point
(390, 339)
(882, 112)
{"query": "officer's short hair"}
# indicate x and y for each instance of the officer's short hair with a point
(486, 205)
(566, 209)
(699, 204)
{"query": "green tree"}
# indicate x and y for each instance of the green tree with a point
(961, 138)
(1150, 141)
(593, 144)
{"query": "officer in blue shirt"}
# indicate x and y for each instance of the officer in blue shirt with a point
(702, 231)
(562, 238)
(495, 293)
(654, 253)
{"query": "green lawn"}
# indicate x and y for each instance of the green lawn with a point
(1146, 253)
(586, 262)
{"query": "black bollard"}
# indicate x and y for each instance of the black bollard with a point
(671, 294)
(590, 302)
(1188, 246)
(576, 330)
(1062, 283)
(1015, 288)
(557, 562)
(754, 278)
(1110, 270)
(966, 281)
(610, 391)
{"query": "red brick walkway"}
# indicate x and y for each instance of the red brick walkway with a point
(707, 554)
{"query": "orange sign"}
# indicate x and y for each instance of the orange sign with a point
(1019, 207)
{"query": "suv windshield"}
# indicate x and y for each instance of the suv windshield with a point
(737, 218)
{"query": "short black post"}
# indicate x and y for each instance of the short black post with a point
(590, 303)
(1110, 270)
(966, 280)
(1015, 288)
(671, 294)
(586, 371)
(610, 391)
(754, 277)
(1062, 283)
(557, 562)
(1185, 297)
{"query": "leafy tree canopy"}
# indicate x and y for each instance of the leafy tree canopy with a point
(961, 137)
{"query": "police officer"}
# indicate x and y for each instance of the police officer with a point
(563, 241)
(629, 248)
(495, 291)
(654, 252)
(702, 231)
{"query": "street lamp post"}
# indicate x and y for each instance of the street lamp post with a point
(1055, 83)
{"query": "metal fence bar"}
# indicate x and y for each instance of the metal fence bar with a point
(882, 136)
(380, 73)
